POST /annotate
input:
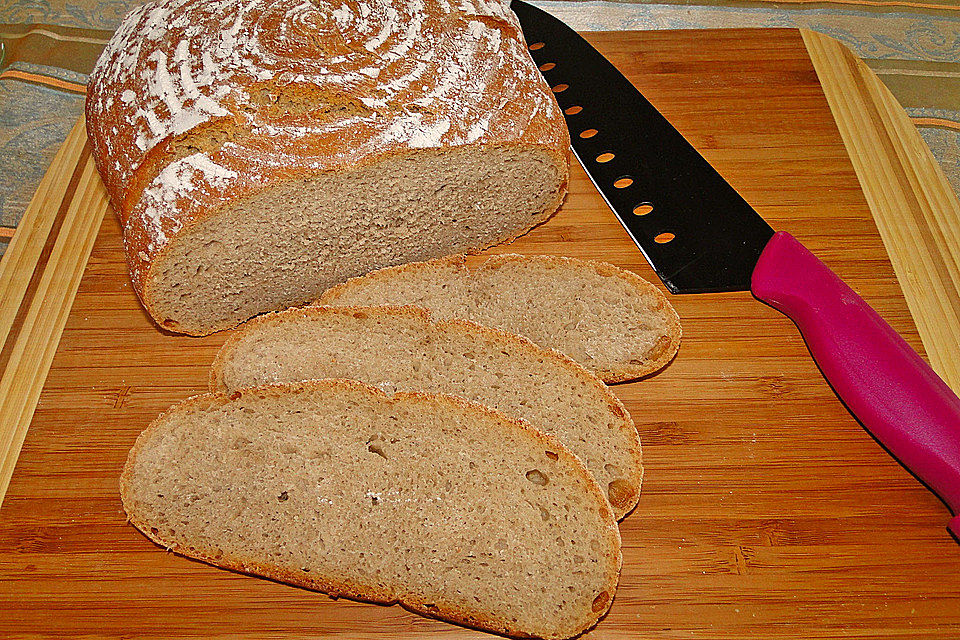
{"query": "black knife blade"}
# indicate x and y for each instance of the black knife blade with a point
(717, 237)
(701, 236)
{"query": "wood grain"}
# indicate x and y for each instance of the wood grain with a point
(767, 511)
(38, 280)
(916, 210)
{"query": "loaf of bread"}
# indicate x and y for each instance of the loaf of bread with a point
(400, 348)
(610, 320)
(258, 152)
(444, 506)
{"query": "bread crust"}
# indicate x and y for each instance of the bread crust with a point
(180, 71)
(340, 588)
(612, 375)
(616, 407)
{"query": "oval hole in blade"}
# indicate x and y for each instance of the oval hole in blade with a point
(536, 46)
(605, 157)
(560, 88)
(664, 237)
(574, 110)
(623, 182)
(547, 66)
(643, 209)
(589, 133)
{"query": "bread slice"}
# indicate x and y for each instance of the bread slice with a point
(444, 506)
(397, 348)
(610, 320)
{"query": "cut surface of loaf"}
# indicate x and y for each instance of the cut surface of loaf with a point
(285, 246)
(258, 152)
(402, 349)
(442, 505)
(608, 319)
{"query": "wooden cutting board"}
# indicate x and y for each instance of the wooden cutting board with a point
(767, 511)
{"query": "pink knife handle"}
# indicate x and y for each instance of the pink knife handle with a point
(885, 384)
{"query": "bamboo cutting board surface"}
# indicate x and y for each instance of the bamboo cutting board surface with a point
(767, 511)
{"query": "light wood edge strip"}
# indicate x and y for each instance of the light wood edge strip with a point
(21, 257)
(915, 209)
(30, 359)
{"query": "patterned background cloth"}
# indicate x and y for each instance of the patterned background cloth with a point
(49, 47)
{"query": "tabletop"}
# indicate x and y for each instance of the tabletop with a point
(766, 511)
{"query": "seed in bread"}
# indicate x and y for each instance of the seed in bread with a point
(608, 319)
(442, 505)
(398, 348)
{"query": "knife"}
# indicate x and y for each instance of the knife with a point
(701, 236)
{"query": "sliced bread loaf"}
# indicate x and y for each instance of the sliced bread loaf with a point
(401, 348)
(610, 320)
(257, 153)
(445, 506)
